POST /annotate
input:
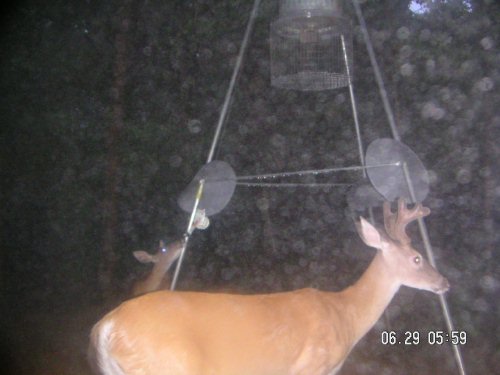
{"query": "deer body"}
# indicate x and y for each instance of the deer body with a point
(304, 332)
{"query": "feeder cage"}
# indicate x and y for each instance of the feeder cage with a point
(311, 46)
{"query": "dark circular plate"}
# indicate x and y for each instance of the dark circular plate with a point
(390, 181)
(220, 182)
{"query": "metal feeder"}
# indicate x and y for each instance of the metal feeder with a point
(311, 46)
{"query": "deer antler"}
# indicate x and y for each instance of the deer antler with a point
(395, 223)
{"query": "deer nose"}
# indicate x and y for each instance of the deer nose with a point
(443, 286)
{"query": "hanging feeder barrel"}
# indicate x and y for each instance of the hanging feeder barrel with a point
(306, 46)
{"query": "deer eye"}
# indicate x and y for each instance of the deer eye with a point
(417, 260)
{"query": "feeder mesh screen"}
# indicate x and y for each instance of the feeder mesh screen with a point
(310, 58)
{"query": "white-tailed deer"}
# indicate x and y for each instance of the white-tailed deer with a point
(303, 332)
(162, 260)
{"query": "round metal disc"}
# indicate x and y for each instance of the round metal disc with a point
(390, 181)
(220, 182)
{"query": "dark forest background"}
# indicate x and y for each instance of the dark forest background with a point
(108, 109)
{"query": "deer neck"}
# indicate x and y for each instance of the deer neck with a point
(367, 299)
(160, 270)
(157, 274)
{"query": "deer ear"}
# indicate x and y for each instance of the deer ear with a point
(369, 234)
(144, 257)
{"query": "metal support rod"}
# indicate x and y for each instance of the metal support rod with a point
(313, 172)
(218, 129)
(234, 77)
(395, 135)
(353, 105)
(187, 235)
(376, 69)
(293, 184)
(430, 256)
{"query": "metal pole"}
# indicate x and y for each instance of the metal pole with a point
(376, 69)
(395, 134)
(232, 83)
(312, 171)
(187, 235)
(222, 118)
(430, 255)
(354, 108)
